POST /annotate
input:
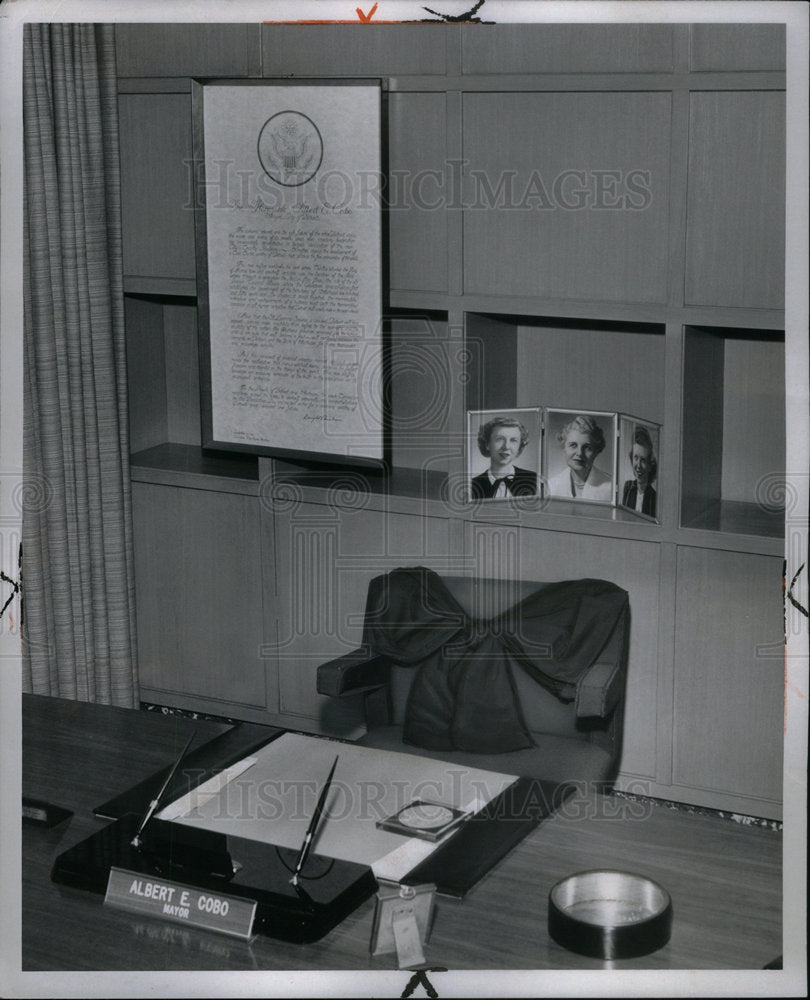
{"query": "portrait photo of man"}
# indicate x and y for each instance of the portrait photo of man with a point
(496, 440)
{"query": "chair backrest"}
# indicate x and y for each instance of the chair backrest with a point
(482, 599)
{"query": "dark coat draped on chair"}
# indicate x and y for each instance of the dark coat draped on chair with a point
(463, 694)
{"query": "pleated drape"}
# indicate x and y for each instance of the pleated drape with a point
(78, 582)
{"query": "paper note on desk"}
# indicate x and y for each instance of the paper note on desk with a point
(402, 859)
(205, 792)
(273, 802)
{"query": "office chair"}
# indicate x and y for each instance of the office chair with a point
(558, 651)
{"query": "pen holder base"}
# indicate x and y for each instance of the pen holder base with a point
(328, 889)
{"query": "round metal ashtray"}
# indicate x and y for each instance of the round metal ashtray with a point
(609, 914)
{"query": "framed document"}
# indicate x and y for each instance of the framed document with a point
(288, 224)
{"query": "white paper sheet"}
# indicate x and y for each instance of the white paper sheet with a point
(272, 798)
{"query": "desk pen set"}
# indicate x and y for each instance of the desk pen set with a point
(149, 861)
(299, 895)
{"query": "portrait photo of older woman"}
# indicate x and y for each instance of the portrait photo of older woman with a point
(581, 466)
(496, 440)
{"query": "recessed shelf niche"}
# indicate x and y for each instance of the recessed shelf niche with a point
(517, 361)
(733, 458)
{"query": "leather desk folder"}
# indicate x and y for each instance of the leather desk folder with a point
(489, 835)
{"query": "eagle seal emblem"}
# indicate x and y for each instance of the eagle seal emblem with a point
(290, 148)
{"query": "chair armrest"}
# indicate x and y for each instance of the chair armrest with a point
(352, 673)
(599, 689)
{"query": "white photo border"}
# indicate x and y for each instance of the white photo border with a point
(476, 462)
(602, 418)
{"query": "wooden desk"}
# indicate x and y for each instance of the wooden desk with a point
(724, 878)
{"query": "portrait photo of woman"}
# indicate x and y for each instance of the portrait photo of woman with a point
(638, 466)
(580, 455)
(503, 453)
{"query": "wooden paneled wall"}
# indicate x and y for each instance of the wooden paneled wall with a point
(579, 214)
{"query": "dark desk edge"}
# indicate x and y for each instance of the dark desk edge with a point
(200, 765)
(489, 835)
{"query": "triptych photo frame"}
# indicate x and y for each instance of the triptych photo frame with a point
(588, 456)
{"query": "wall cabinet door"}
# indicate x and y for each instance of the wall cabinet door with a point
(567, 195)
(199, 595)
(322, 50)
(187, 49)
(729, 674)
(730, 47)
(735, 237)
(156, 186)
(567, 48)
(418, 189)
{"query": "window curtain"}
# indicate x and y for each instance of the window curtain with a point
(77, 566)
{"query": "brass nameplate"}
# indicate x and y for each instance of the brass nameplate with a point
(184, 904)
